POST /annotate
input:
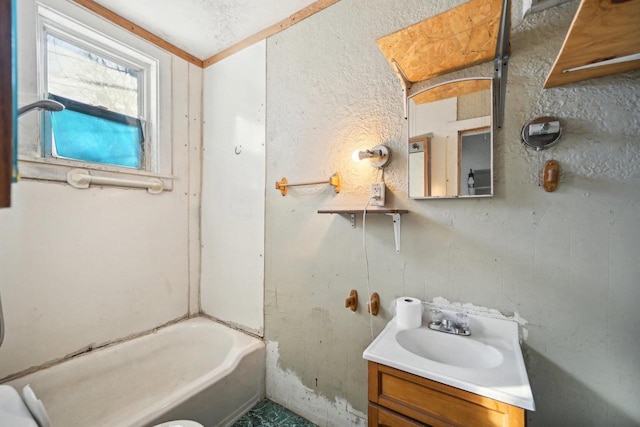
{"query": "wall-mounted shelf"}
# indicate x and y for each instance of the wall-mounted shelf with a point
(602, 32)
(393, 213)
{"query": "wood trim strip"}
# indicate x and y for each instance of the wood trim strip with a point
(6, 107)
(270, 31)
(139, 31)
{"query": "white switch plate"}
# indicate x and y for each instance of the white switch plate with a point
(377, 194)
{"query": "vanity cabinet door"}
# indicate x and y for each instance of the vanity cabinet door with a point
(436, 404)
(380, 417)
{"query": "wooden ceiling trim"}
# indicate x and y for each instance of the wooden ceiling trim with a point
(270, 31)
(601, 30)
(139, 31)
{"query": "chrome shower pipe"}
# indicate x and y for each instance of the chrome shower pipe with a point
(43, 104)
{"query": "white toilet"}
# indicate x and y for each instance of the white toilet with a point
(28, 410)
(13, 411)
(180, 423)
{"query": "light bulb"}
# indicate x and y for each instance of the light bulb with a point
(358, 155)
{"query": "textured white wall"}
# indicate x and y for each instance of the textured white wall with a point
(233, 186)
(565, 261)
(81, 267)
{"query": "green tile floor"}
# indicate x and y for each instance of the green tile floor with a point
(270, 414)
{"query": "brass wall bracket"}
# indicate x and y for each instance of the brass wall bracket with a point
(374, 304)
(550, 176)
(282, 186)
(352, 300)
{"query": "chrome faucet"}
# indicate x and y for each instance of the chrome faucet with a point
(457, 326)
(44, 104)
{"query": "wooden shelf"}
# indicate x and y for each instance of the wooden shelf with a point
(352, 212)
(601, 30)
(458, 38)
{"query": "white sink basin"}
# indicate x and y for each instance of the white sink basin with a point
(488, 362)
(449, 349)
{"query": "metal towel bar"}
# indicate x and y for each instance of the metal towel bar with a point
(334, 180)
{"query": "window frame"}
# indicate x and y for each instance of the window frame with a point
(105, 39)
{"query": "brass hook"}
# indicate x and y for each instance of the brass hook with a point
(352, 301)
(374, 305)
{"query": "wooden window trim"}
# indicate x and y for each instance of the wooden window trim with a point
(6, 107)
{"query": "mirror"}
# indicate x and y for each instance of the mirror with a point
(451, 140)
(541, 133)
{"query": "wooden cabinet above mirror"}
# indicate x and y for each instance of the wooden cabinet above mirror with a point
(458, 38)
(470, 34)
(604, 39)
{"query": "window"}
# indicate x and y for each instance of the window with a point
(104, 86)
(110, 82)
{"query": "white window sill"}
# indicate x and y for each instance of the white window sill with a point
(53, 169)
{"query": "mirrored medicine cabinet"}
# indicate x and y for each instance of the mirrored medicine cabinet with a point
(450, 147)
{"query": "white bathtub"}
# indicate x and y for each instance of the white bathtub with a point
(196, 369)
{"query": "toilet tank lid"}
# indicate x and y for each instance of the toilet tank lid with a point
(180, 423)
(13, 411)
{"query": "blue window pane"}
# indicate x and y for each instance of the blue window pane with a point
(81, 136)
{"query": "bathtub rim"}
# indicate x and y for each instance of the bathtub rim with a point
(249, 343)
(93, 348)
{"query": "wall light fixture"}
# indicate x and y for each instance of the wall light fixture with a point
(379, 156)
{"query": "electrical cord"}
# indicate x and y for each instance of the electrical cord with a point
(1, 323)
(366, 261)
(364, 247)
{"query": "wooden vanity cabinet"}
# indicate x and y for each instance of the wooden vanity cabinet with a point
(400, 399)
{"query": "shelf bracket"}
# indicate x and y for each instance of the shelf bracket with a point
(406, 86)
(395, 214)
(396, 229)
(501, 65)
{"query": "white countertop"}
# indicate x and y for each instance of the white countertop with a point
(504, 378)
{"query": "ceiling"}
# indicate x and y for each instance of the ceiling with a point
(204, 28)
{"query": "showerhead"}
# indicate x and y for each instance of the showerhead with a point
(44, 104)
